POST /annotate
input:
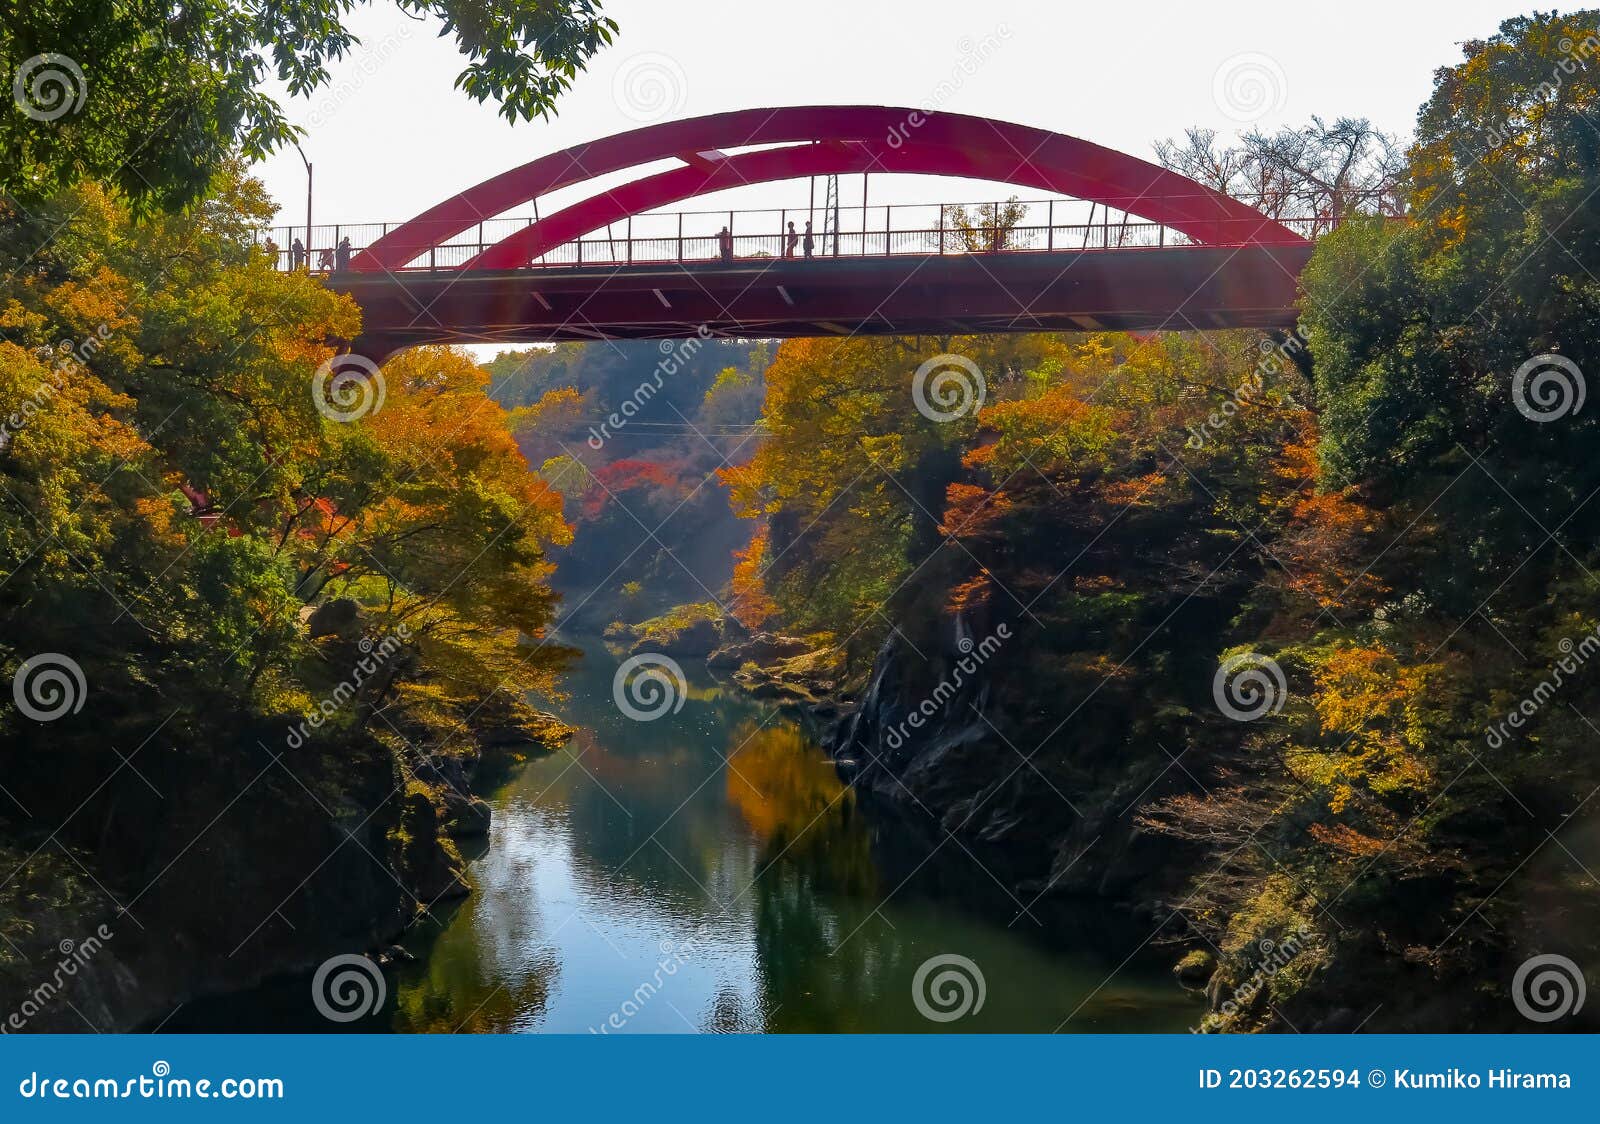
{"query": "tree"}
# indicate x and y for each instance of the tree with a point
(552, 425)
(154, 97)
(1321, 171)
(448, 538)
(184, 367)
(176, 501)
(751, 605)
(987, 227)
(631, 434)
(1421, 327)
(1422, 759)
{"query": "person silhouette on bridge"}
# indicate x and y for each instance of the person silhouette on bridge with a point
(725, 244)
(325, 260)
(272, 250)
(791, 242)
(810, 244)
(297, 253)
(342, 257)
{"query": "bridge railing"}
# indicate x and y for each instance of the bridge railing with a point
(693, 237)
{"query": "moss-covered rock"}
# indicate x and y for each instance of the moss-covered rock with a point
(1195, 969)
(691, 631)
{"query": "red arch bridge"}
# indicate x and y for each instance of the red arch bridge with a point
(1120, 244)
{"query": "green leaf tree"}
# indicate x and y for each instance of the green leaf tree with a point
(154, 96)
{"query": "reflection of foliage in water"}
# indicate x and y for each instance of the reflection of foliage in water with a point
(818, 974)
(793, 800)
(815, 856)
(432, 1002)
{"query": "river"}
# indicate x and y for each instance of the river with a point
(706, 872)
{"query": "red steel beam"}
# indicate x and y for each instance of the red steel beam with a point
(1176, 288)
(799, 161)
(992, 150)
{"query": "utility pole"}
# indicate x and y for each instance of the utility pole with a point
(830, 214)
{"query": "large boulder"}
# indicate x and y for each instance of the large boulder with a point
(1195, 969)
(760, 648)
(465, 816)
(691, 631)
(338, 617)
(695, 639)
(503, 725)
(429, 865)
(808, 679)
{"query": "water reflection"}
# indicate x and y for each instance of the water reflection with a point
(708, 872)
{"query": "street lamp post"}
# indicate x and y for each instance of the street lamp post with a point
(307, 163)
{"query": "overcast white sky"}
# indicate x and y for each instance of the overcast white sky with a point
(391, 136)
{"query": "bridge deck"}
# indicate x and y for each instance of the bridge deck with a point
(1186, 287)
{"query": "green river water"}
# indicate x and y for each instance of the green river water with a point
(706, 872)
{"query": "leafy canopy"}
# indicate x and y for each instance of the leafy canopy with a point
(169, 90)
(174, 501)
(1420, 325)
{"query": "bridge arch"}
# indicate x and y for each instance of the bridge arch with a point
(816, 140)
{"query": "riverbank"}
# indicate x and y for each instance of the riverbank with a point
(495, 893)
(911, 733)
(325, 849)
